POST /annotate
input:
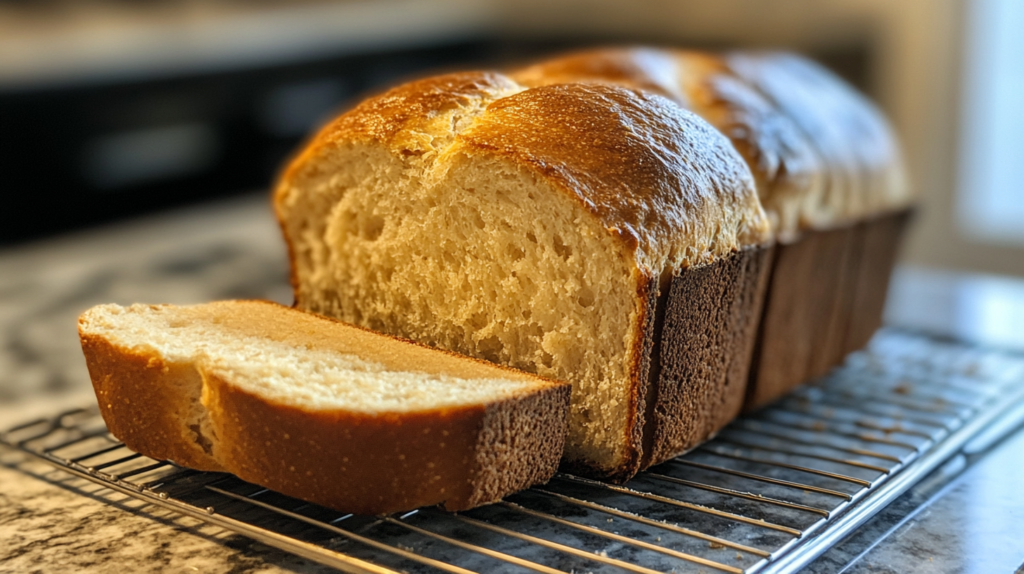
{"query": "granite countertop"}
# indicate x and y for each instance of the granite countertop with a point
(49, 520)
(964, 518)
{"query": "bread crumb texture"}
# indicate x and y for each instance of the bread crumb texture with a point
(281, 367)
(316, 409)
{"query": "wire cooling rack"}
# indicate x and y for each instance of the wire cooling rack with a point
(769, 494)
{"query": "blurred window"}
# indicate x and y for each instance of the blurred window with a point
(991, 198)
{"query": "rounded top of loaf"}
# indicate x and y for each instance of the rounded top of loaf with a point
(658, 178)
(822, 154)
(787, 170)
(784, 165)
(414, 119)
(647, 69)
(856, 143)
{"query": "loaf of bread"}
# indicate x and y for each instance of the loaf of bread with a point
(828, 173)
(320, 410)
(591, 233)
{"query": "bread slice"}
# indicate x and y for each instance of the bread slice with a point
(317, 409)
(534, 228)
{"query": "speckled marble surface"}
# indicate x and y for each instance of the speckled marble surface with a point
(975, 525)
(964, 518)
(50, 521)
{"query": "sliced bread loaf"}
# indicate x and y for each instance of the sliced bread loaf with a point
(320, 410)
(541, 228)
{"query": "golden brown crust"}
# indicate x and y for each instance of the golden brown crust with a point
(783, 164)
(356, 462)
(401, 117)
(786, 168)
(655, 175)
(143, 402)
(853, 138)
(348, 461)
(648, 69)
(460, 458)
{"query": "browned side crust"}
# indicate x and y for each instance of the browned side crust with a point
(880, 241)
(753, 294)
(783, 349)
(805, 301)
(825, 300)
(831, 280)
(144, 401)
(366, 464)
(845, 309)
(707, 336)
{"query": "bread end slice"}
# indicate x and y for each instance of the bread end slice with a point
(320, 410)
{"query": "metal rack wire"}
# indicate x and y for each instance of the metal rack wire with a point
(769, 494)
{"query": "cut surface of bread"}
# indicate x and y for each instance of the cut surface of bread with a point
(317, 409)
(529, 227)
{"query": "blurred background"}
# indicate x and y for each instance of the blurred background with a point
(139, 139)
(114, 108)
